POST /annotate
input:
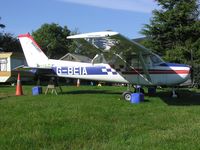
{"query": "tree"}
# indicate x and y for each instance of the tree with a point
(81, 47)
(1, 34)
(174, 30)
(52, 39)
(8, 43)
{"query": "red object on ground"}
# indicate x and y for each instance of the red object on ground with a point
(19, 90)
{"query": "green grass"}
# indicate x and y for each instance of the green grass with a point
(95, 118)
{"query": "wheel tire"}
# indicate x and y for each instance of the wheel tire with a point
(127, 96)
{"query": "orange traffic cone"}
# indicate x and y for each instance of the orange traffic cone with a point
(19, 86)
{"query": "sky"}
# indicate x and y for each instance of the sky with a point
(125, 16)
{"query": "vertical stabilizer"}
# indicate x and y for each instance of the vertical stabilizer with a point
(33, 53)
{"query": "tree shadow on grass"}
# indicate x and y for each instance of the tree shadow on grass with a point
(1, 98)
(186, 98)
(92, 92)
(104, 92)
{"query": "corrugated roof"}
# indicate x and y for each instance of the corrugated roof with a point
(76, 57)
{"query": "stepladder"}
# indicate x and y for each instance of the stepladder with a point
(53, 89)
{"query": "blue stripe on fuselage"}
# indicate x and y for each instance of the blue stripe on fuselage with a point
(100, 70)
(96, 71)
(173, 65)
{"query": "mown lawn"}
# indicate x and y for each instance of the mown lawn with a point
(95, 118)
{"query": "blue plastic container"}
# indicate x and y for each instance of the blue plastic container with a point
(135, 98)
(37, 90)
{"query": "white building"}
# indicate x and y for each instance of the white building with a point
(9, 61)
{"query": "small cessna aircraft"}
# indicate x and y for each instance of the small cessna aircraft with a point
(127, 62)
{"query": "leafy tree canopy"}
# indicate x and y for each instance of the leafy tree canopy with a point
(52, 39)
(80, 46)
(174, 30)
(8, 43)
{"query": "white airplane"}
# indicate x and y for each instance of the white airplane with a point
(129, 62)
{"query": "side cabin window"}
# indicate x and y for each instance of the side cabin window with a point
(136, 62)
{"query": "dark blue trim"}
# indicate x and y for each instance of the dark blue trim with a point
(96, 71)
(100, 70)
(173, 65)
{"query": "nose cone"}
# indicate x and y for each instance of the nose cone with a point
(184, 72)
(187, 75)
(181, 73)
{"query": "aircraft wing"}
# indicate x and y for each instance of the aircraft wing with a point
(117, 44)
(108, 39)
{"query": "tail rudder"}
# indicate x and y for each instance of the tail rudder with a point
(33, 53)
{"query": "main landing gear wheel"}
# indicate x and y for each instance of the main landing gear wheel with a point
(127, 96)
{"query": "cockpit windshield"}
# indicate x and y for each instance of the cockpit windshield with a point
(156, 59)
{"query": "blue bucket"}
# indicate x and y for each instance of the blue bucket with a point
(135, 98)
(36, 90)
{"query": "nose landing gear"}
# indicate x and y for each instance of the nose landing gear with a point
(174, 94)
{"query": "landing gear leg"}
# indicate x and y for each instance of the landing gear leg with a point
(128, 87)
(140, 90)
(174, 93)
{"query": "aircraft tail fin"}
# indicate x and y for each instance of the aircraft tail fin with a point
(33, 53)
